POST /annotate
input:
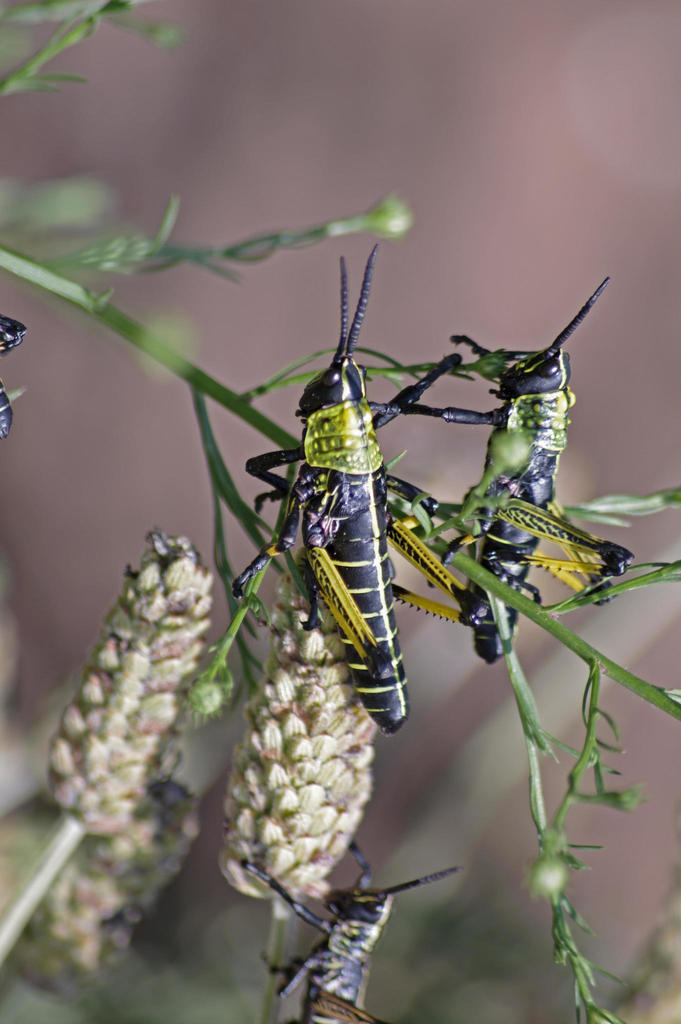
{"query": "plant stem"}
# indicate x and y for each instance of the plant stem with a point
(276, 950)
(151, 344)
(653, 694)
(224, 644)
(64, 37)
(68, 835)
(527, 706)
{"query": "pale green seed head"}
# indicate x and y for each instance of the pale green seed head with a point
(302, 775)
(120, 732)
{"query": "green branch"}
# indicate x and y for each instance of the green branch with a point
(128, 253)
(99, 307)
(80, 20)
(26, 77)
(653, 694)
(67, 836)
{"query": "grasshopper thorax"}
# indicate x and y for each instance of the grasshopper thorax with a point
(344, 381)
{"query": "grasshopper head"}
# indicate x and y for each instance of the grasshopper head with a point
(366, 906)
(537, 374)
(373, 906)
(11, 334)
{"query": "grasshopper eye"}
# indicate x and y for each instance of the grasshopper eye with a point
(331, 377)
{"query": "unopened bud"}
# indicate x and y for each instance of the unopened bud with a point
(548, 877)
(390, 217)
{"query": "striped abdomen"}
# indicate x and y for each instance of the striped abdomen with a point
(505, 547)
(360, 552)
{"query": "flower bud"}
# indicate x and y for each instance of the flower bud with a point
(390, 217)
(548, 877)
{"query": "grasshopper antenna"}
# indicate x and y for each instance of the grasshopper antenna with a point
(345, 316)
(576, 321)
(416, 882)
(362, 304)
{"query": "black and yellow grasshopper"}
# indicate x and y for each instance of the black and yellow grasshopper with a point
(11, 334)
(536, 400)
(337, 969)
(341, 489)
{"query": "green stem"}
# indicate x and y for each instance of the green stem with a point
(535, 738)
(653, 694)
(537, 803)
(151, 344)
(69, 834)
(159, 350)
(62, 39)
(670, 573)
(250, 602)
(390, 217)
(627, 504)
(276, 951)
(251, 250)
(521, 689)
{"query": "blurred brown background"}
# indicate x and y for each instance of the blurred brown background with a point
(539, 144)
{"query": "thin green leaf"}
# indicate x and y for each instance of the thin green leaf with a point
(628, 504)
(63, 38)
(574, 914)
(574, 863)
(669, 573)
(282, 378)
(419, 512)
(168, 222)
